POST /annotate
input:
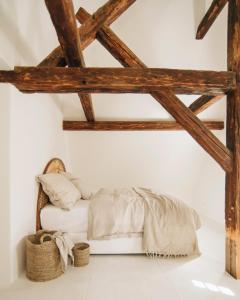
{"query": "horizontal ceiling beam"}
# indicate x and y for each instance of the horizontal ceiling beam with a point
(133, 125)
(118, 80)
(211, 15)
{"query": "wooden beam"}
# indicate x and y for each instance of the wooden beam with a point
(108, 13)
(64, 21)
(119, 80)
(211, 15)
(232, 206)
(133, 125)
(8, 76)
(168, 100)
(86, 101)
(203, 102)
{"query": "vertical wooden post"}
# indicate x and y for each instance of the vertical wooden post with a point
(232, 207)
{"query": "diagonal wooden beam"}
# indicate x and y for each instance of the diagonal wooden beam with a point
(168, 100)
(132, 125)
(203, 102)
(64, 21)
(119, 80)
(211, 15)
(106, 14)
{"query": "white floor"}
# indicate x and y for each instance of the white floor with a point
(139, 277)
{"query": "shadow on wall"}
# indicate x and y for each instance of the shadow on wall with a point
(199, 7)
(10, 28)
(21, 257)
(4, 65)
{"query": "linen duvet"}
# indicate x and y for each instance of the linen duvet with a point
(168, 225)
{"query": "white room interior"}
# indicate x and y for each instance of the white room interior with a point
(162, 34)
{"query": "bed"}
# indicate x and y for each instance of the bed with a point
(75, 221)
(117, 221)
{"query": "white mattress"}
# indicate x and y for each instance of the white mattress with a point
(75, 223)
(74, 220)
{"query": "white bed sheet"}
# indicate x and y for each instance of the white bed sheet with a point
(75, 223)
(74, 220)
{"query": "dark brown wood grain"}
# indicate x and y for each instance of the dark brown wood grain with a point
(108, 13)
(8, 76)
(86, 101)
(203, 102)
(211, 15)
(64, 21)
(232, 206)
(119, 80)
(133, 125)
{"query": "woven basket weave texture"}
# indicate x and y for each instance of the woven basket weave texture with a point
(43, 261)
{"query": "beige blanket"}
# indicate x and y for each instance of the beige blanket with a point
(168, 225)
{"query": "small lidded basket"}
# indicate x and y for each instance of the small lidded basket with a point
(81, 252)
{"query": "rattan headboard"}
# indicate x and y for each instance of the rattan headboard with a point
(55, 165)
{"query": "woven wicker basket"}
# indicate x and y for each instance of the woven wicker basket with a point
(81, 253)
(43, 260)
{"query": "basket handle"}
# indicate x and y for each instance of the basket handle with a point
(45, 236)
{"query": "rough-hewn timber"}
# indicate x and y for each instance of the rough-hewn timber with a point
(64, 21)
(118, 80)
(203, 102)
(232, 207)
(108, 13)
(133, 125)
(211, 15)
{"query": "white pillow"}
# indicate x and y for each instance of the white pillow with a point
(79, 184)
(61, 192)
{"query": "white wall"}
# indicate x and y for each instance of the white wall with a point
(36, 137)
(32, 132)
(5, 257)
(162, 34)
